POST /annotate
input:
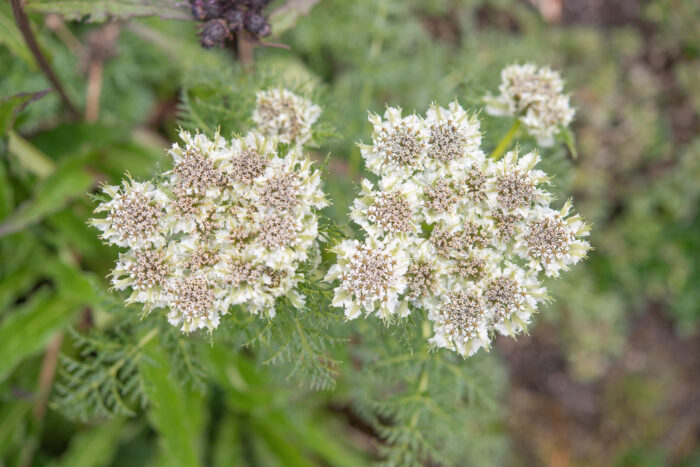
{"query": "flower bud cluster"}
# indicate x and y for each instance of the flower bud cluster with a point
(282, 114)
(452, 232)
(533, 95)
(223, 18)
(230, 224)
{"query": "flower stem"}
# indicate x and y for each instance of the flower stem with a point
(26, 30)
(505, 142)
(422, 376)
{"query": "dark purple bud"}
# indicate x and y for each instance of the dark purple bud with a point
(204, 10)
(214, 33)
(257, 25)
(213, 9)
(197, 7)
(234, 19)
(266, 30)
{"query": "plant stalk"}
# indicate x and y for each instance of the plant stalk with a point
(24, 26)
(505, 142)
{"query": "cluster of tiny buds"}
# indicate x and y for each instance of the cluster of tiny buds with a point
(452, 232)
(222, 19)
(229, 225)
(535, 97)
(285, 116)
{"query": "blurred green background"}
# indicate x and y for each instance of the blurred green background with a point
(610, 373)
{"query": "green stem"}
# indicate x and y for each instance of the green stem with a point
(145, 339)
(505, 142)
(422, 377)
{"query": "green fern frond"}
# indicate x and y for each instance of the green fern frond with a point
(105, 379)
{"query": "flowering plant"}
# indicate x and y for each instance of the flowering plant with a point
(463, 236)
(230, 224)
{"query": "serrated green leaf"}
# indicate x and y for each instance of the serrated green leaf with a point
(30, 327)
(176, 413)
(70, 181)
(12, 105)
(101, 10)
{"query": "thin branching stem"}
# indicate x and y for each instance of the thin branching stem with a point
(24, 26)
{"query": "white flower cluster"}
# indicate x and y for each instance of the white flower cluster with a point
(451, 232)
(230, 224)
(281, 114)
(534, 96)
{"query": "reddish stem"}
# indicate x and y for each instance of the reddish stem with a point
(24, 26)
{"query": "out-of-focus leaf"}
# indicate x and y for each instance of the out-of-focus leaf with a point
(187, 53)
(140, 161)
(6, 194)
(71, 230)
(11, 37)
(569, 140)
(327, 446)
(30, 327)
(11, 426)
(68, 139)
(29, 157)
(79, 286)
(94, 447)
(11, 106)
(227, 445)
(288, 452)
(101, 10)
(176, 412)
(286, 439)
(69, 181)
(16, 283)
(286, 16)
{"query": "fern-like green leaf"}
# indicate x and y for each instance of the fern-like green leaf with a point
(106, 379)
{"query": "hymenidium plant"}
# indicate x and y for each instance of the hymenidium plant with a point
(447, 247)
(448, 233)
(462, 236)
(229, 225)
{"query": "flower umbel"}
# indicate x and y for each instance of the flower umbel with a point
(533, 95)
(371, 277)
(229, 225)
(281, 114)
(451, 232)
